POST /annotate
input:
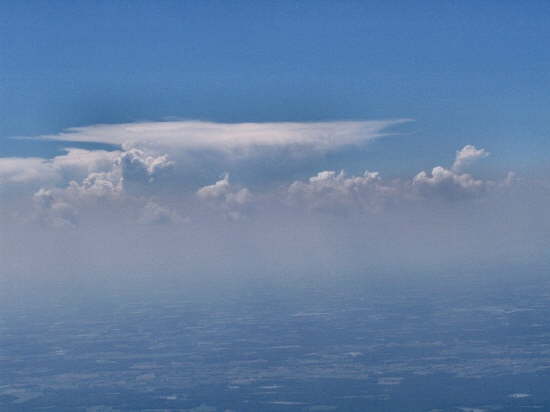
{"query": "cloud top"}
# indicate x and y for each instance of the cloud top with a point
(189, 135)
(468, 155)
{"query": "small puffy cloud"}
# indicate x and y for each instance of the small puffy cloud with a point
(225, 191)
(97, 185)
(448, 183)
(217, 190)
(225, 196)
(329, 190)
(451, 183)
(466, 156)
(61, 206)
(138, 166)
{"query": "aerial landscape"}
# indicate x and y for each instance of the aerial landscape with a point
(224, 206)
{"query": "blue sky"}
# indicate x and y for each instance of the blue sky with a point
(467, 72)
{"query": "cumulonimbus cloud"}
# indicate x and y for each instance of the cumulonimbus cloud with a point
(172, 162)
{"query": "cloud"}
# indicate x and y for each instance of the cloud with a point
(224, 196)
(80, 182)
(15, 170)
(138, 166)
(223, 190)
(451, 183)
(76, 164)
(448, 184)
(54, 211)
(61, 207)
(335, 191)
(229, 137)
(320, 219)
(85, 181)
(466, 156)
(198, 152)
(99, 194)
(153, 213)
(97, 185)
(339, 193)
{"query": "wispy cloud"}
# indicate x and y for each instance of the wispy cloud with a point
(188, 135)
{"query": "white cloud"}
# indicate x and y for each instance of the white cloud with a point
(100, 193)
(104, 185)
(61, 207)
(138, 166)
(97, 185)
(224, 190)
(198, 151)
(233, 201)
(448, 183)
(466, 156)
(190, 135)
(76, 164)
(451, 183)
(329, 190)
(84, 165)
(336, 192)
(86, 179)
(16, 170)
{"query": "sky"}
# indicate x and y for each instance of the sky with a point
(299, 136)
